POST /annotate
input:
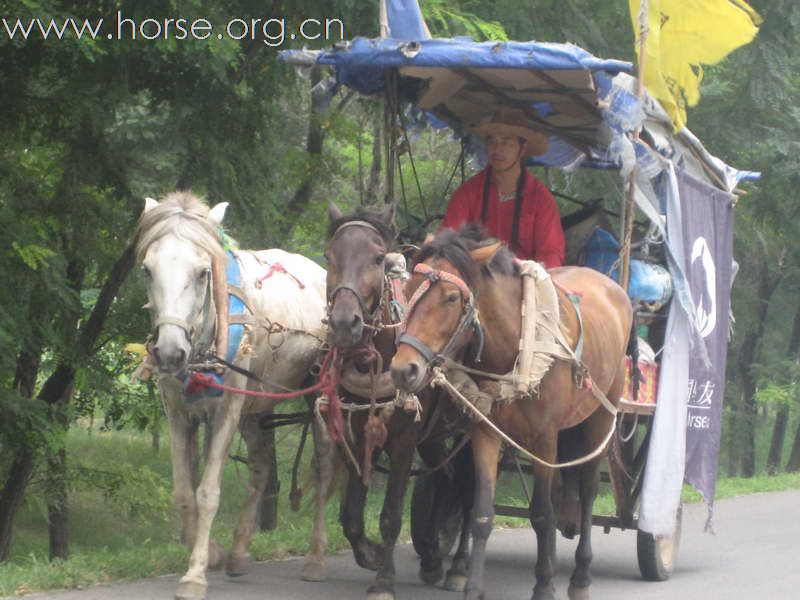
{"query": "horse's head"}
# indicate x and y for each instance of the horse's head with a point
(178, 243)
(356, 251)
(442, 314)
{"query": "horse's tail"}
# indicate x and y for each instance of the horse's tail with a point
(633, 352)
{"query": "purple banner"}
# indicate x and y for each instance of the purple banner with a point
(707, 216)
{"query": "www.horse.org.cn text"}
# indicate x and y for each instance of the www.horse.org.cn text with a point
(271, 31)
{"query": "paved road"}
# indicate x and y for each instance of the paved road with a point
(754, 555)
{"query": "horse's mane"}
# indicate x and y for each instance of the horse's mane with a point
(182, 214)
(455, 247)
(373, 216)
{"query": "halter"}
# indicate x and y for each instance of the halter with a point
(371, 318)
(468, 319)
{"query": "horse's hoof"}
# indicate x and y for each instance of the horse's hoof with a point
(216, 555)
(374, 593)
(431, 577)
(237, 564)
(367, 556)
(314, 571)
(544, 593)
(578, 593)
(473, 594)
(455, 582)
(191, 590)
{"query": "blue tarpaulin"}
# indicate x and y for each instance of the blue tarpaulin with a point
(360, 63)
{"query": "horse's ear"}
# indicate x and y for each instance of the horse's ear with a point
(334, 212)
(216, 214)
(150, 204)
(485, 253)
(387, 215)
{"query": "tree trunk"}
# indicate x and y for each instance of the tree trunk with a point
(778, 437)
(314, 142)
(733, 446)
(767, 285)
(793, 464)
(374, 182)
(11, 496)
(57, 504)
(19, 473)
(155, 426)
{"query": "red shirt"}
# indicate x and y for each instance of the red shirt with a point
(540, 235)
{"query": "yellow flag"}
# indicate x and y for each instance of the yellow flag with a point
(684, 35)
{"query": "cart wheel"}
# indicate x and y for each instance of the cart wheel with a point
(657, 554)
(422, 503)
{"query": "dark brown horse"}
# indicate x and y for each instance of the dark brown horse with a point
(489, 271)
(359, 308)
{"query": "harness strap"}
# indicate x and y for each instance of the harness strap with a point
(356, 224)
(177, 321)
(418, 345)
(235, 290)
(440, 380)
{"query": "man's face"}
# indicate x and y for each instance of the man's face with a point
(504, 151)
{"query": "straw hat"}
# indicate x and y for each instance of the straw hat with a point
(509, 121)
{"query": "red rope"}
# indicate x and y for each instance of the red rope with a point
(328, 384)
(278, 268)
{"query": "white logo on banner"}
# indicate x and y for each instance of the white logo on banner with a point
(706, 318)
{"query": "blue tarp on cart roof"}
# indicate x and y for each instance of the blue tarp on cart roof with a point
(360, 63)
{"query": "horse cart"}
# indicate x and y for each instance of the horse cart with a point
(598, 120)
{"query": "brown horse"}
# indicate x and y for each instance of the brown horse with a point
(489, 271)
(359, 307)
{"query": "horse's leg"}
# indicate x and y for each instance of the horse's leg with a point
(183, 438)
(259, 462)
(326, 462)
(456, 579)
(430, 569)
(224, 423)
(581, 578)
(595, 429)
(352, 517)
(401, 451)
(485, 450)
(543, 520)
(566, 483)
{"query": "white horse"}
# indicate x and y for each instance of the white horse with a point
(179, 246)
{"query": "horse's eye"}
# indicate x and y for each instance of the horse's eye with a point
(146, 272)
(379, 259)
(203, 275)
(452, 297)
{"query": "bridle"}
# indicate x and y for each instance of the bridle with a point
(469, 318)
(373, 318)
(191, 329)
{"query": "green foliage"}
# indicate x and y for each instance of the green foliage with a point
(452, 19)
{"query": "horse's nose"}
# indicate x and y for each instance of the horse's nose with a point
(346, 329)
(170, 360)
(406, 376)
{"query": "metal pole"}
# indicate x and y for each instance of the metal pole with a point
(629, 211)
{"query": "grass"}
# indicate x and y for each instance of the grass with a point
(121, 537)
